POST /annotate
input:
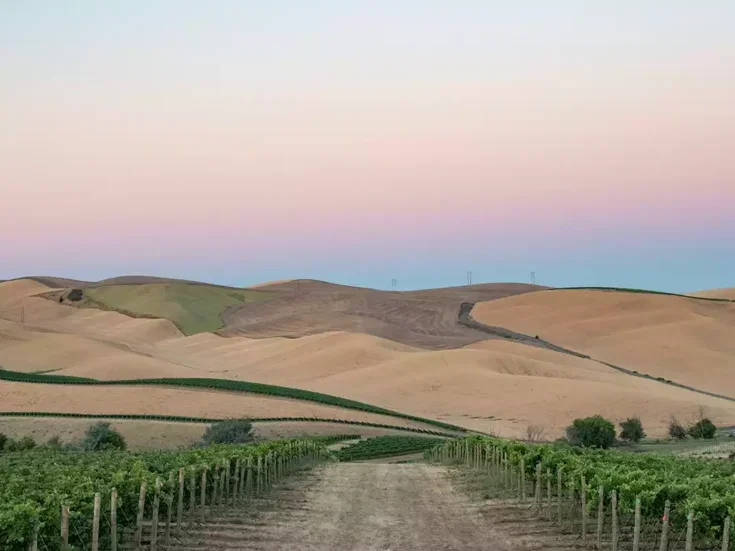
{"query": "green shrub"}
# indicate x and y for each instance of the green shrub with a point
(632, 430)
(231, 431)
(591, 432)
(75, 295)
(101, 437)
(676, 430)
(25, 443)
(3, 440)
(703, 428)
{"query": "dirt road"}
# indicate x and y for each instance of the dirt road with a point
(360, 507)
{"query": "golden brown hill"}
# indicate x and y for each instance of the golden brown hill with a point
(688, 341)
(493, 385)
(727, 293)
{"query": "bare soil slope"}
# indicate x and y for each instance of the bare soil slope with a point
(685, 340)
(426, 319)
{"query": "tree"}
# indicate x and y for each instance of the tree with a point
(535, 433)
(632, 430)
(231, 431)
(591, 432)
(102, 437)
(676, 429)
(3, 440)
(704, 428)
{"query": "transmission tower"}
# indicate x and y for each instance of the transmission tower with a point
(469, 277)
(394, 284)
(533, 278)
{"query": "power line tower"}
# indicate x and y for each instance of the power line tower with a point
(533, 278)
(394, 284)
(469, 277)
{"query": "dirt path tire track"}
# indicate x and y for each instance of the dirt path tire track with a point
(362, 507)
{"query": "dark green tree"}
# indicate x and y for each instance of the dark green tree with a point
(704, 428)
(591, 432)
(632, 430)
(230, 431)
(676, 430)
(102, 437)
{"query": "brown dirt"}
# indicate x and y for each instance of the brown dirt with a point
(688, 341)
(425, 319)
(358, 507)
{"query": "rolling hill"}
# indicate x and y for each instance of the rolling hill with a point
(685, 340)
(487, 385)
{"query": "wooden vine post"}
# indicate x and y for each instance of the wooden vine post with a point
(203, 495)
(559, 476)
(249, 479)
(584, 507)
(139, 519)
(33, 544)
(537, 492)
(726, 535)
(169, 510)
(690, 531)
(600, 516)
(154, 516)
(180, 503)
(615, 528)
(113, 520)
(236, 483)
(523, 480)
(192, 497)
(665, 527)
(637, 525)
(64, 528)
(548, 494)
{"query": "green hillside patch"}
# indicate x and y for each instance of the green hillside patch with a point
(192, 308)
(385, 446)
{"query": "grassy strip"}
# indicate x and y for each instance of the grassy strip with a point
(642, 291)
(183, 419)
(385, 446)
(226, 385)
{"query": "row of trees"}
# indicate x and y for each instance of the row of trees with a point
(598, 432)
(102, 437)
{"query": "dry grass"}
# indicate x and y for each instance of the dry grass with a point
(685, 340)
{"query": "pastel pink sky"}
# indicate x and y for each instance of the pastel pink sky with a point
(591, 142)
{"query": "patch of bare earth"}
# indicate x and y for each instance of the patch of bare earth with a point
(365, 507)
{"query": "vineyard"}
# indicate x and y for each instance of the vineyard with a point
(51, 500)
(624, 495)
(225, 385)
(385, 446)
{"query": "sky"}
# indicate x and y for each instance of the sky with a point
(361, 141)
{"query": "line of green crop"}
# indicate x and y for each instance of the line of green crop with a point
(226, 385)
(185, 419)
